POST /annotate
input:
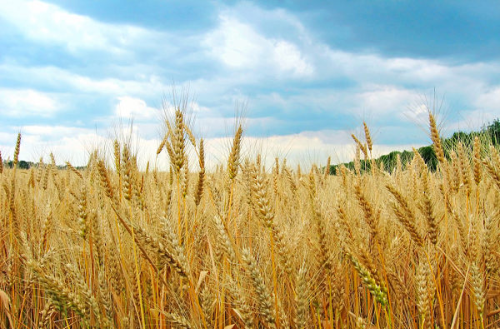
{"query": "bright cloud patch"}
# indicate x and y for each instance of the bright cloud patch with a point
(289, 58)
(236, 44)
(418, 113)
(239, 46)
(22, 103)
(385, 99)
(490, 100)
(135, 108)
(48, 23)
(66, 80)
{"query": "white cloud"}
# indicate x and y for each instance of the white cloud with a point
(385, 99)
(239, 46)
(27, 102)
(485, 106)
(199, 109)
(415, 74)
(56, 131)
(235, 44)
(68, 81)
(135, 108)
(489, 100)
(289, 58)
(418, 113)
(48, 23)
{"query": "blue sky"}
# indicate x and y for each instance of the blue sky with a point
(307, 73)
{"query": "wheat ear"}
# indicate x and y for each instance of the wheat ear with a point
(201, 174)
(377, 289)
(74, 170)
(405, 215)
(368, 137)
(301, 299)
(477, 160)
(362, 146)
(263, 295)
(16, 150)
(234, 157)
(370, 215)
(423, 293)
(478, 288)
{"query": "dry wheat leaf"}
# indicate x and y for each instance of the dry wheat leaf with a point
(203, 275)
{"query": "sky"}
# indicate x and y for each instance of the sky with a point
(301, 76)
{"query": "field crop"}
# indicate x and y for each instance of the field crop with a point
(111, 246)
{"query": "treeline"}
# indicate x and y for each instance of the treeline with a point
(28, 164)
(489, 134)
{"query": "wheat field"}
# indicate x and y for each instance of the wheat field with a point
(244, 246)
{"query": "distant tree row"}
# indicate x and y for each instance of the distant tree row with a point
(489, 134)
(28, 164)
(21, 164)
